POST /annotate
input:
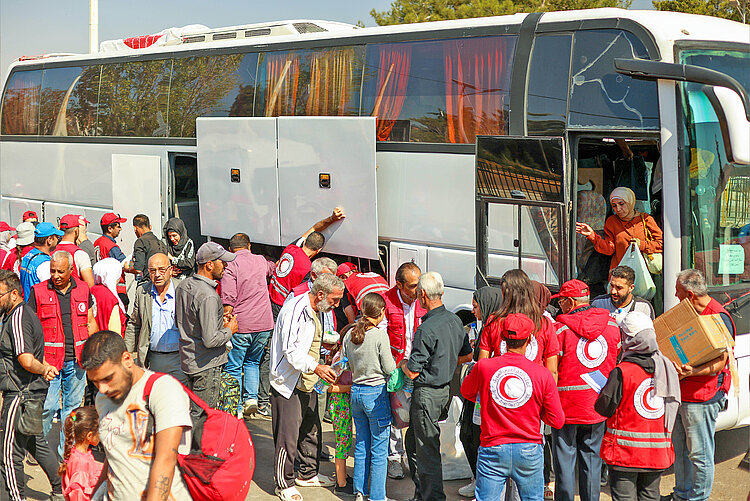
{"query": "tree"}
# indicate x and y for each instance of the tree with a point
(418, 11)
(727, 9)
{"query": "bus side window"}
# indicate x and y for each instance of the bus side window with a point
(21, 103)
(547, 94)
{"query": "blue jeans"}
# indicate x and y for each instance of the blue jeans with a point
(244, 358)
(693, 440)
(581, 442)
(71, 383)
(371, 410)
(523, 462)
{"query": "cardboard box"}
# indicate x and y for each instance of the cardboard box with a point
(686, 337)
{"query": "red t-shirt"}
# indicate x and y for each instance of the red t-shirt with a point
(515, 394)
(543, 345)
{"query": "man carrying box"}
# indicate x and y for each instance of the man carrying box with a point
(704, 393)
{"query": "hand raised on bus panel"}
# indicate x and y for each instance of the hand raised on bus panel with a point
(338, 214)
(584, 229)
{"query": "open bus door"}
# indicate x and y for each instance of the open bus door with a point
(521, 214)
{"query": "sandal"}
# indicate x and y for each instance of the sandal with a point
(549, 491)
(289, 494)
(316, 481)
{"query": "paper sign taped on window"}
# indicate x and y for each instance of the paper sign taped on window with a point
(731, 259)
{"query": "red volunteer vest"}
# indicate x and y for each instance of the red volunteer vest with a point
(8, 259)
(581, 356)
(703, 388)
(72, 248)
(304, 288)
(105, 303)
(359, 285)
(48, 311)
(103, 245)
(394, 313)
(637, 435)
(290, 271)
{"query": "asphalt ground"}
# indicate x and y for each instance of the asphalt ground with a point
(731, 482)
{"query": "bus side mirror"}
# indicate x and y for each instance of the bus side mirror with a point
(735, 127)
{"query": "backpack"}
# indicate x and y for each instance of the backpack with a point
(222, 457)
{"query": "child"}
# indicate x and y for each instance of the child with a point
(341, 418)
(79, 470)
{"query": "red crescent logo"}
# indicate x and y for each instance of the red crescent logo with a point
(502, 387)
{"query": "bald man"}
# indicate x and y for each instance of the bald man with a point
(151, 334)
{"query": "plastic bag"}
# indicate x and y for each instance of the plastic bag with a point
(644, 284)
(453, 457)
(400, 406)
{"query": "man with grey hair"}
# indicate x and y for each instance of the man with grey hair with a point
(704, 393)
(440, 345)
(65, 308)
(295, 368)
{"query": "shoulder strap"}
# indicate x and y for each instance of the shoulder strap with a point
(649, 237)
(156, 375)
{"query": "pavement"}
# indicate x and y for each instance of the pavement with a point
(731, 483)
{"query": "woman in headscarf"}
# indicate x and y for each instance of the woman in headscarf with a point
(110, 312)
(486, 301)
(640, 402)
(625, 226)
(181, 248)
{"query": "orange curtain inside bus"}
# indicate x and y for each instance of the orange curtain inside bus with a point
(21, 104)
(393, 78)
(281, 85)
(331, 81)
(476, 86)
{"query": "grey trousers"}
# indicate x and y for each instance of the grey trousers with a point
(168, 363)
(206, 385)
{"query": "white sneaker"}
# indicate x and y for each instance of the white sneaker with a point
(467, 490)
(318, 480)
(249, 407)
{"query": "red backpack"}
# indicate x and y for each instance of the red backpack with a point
(220, 467)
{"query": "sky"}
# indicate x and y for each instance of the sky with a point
(32, 27)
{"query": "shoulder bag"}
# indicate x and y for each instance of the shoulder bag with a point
(655, 261)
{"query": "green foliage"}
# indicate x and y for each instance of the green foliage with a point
(718, 8)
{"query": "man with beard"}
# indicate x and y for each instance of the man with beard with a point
(22, 369)
(204, 329)
(295, 368)
(141, 453)
(620, 301)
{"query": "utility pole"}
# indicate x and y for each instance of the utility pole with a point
(93, 26)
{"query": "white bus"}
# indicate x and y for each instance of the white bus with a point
(572, 104)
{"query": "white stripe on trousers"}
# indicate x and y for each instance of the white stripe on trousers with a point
(8, 444)
(280, 469)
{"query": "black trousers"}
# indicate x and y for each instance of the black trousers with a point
(469, 435)
(428, 406)
(295, 426)
(634, 486)
(14, 448)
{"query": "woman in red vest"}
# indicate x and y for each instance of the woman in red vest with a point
(110, 312)
(640, 402)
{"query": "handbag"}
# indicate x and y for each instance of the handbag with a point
(654, 261)
(29, 415)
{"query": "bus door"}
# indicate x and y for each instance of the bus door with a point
(183, 193)
(521, 212)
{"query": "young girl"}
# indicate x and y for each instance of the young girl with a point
(341, 418)
(79, 470)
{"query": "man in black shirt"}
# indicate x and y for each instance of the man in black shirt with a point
(22, 371)
(146, 246)
(440, 344)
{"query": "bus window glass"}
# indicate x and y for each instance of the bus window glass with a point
(80, 115)
(547, 94)
(718, 221)
(133, 99)
(21, 103)
(210, 86)
(601, 97)
(439, 91)
(57, 87)
(317, 82)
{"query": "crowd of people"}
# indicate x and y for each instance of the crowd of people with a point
(571, 389)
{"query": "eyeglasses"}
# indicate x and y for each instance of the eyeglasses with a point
(6, 292)
(159, 271)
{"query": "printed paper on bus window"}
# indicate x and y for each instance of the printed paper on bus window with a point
(731, 259)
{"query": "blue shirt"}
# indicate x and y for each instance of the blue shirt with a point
(164, 334)
(115, 251)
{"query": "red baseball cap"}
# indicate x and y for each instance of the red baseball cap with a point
(29, 214)
(71, 221)
(111, 218)
(6, 227)
(516, 326)
(573, 288)
(345, 268)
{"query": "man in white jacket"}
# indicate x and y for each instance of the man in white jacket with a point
(295, 352)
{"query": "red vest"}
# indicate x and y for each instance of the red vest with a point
(359, 285)
(290, 271)
(48, 311)
(581, 356)
(304, 288)
(703, 388)
(394, 313)
(103, 245)
(72, 248)
(105, 303)
(637, 435)
(8, 258)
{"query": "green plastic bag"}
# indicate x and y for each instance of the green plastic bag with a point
(396, 380)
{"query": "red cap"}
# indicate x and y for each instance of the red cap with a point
(345, 268)
(71, 221)
(111, 218)
(29, 214)
(516, 326)
(573, 288)
(6, 227)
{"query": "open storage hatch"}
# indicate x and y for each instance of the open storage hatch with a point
(272, 178)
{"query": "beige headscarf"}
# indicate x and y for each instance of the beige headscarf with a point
(626, 195)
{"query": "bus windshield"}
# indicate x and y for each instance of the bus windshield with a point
(718, 220)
